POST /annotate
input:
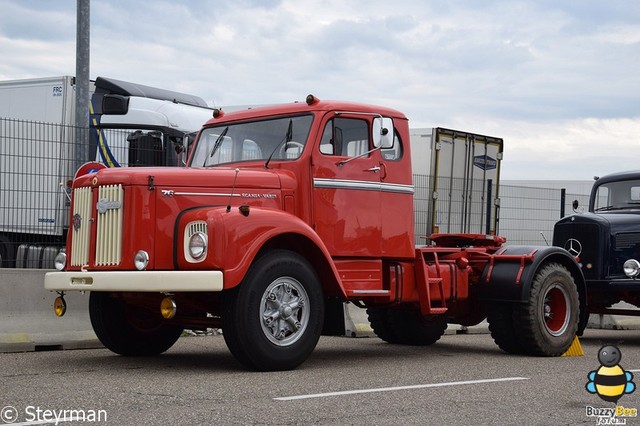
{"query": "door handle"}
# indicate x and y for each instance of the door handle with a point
(374, 169)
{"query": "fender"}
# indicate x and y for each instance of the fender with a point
(508, 280)
(236, 238)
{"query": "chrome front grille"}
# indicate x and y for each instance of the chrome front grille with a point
(108, 210)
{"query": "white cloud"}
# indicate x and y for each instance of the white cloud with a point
(557, 80)
(567, 150)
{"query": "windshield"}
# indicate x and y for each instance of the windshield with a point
(617, 196)
(270, 139)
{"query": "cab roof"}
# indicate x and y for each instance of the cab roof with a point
(303, 107)
(614, 177)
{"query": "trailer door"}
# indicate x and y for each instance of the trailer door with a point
(465, 173)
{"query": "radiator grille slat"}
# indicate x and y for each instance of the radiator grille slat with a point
(81, 226)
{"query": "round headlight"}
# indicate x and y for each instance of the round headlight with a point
(141, 260)
(198, 245)
(631, 268)
(60, 261)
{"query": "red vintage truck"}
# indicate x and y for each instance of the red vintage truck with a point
(281, 212)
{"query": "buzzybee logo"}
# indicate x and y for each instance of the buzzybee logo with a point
(610, 382)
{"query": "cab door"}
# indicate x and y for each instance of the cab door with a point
(346, 188)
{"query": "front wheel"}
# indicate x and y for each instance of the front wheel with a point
(548, 322)
(129, 330)
(273, 320)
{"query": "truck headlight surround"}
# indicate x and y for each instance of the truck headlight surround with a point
(198, 245)
(141, 260)
(631, 268)
(60, 262)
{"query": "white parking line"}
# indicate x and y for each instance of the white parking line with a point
(397, 388)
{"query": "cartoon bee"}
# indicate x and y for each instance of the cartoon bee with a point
(610, 381)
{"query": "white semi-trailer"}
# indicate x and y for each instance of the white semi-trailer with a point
(130, 125)
(457, 180)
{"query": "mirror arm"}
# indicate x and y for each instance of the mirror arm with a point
(343, 162)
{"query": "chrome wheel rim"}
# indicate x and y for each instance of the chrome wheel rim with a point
(284, 311)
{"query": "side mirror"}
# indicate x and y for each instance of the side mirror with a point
(382, 132)
(115, 104)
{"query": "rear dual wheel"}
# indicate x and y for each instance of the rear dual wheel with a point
(406, 326)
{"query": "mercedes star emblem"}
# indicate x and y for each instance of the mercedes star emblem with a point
(573, 246)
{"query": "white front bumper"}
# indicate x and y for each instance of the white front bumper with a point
(145, 281)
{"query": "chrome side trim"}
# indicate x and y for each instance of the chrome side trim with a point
(363, 185)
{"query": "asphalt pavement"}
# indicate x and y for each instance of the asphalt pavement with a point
(462, 379)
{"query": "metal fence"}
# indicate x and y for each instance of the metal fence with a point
(38, 161)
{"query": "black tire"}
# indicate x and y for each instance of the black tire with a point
(273, 320)
(379, 320)
(411, 328)
(129, 330)
(547, 324)
(7, 253)
(405, 326)
(503, 332)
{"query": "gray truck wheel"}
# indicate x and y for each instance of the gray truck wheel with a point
(128, 330)
(547, 324)
(272, 321)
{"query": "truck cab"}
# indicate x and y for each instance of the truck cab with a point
(606, 239)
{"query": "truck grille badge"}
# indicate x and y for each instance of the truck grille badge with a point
(104, 204)
(573, 246)
(77, 221)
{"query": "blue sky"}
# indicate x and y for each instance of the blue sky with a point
(558, 80)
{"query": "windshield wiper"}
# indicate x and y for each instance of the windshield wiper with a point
(611, 208)
(287, 138)
(216, 145)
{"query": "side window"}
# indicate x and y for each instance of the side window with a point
(602, 198)
(346, 137)
(395, 152)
